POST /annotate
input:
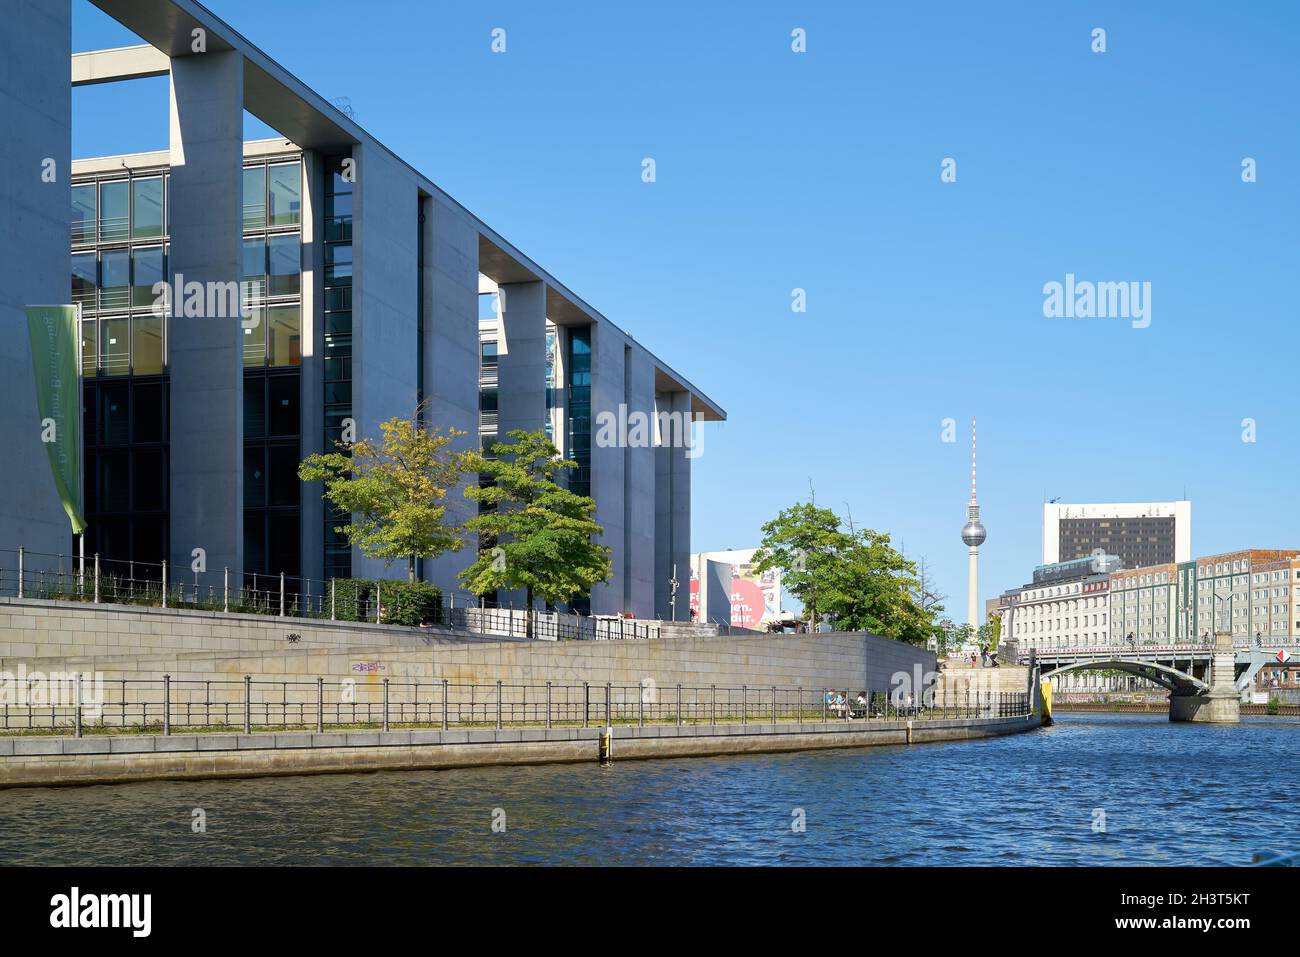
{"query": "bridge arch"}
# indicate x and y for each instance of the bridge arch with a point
(1172, 679)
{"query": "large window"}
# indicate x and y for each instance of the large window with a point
(114, 211)
(85, 279)
(147, 208)
(147, 272)
(254, 197)
(284, 254)
(115, 280)
(284, 194)
(272, 335)
(119, 238)
(84, 213)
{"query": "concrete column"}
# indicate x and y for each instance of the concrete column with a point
(608, 449)
(36, 101)
(521, 358)
(449, 286)
(312, 399)
(385, 305)
(639, 485)
(673, 504)
(205, 353)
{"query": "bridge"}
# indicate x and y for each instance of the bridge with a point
(1206, 680)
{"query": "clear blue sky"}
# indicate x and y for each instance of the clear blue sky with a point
(821, 171)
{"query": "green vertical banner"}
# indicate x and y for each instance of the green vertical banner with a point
(56, 341)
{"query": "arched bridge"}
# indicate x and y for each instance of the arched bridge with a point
(1178, 682)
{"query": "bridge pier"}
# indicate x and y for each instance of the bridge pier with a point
(1222, 703)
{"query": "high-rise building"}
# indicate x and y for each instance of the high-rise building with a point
(357, 282)
(1140, 534)
(973, 534)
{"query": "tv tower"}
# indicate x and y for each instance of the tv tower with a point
(973, 534)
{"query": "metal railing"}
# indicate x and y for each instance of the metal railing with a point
(38, 575)
(84, 702)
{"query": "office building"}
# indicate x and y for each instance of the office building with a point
(1140, 534)
(361, 283)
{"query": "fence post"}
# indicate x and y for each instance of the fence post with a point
(21, 566)
(823, 704)
(332, 586)
(744, 704)
(607, 696)
(225, 589)
(248, 704)
(281, 594)
(773, 704)
(445, 687)
(801, 705)
(548, 706)
(640, 707)
(498, 704)
(713, 704)
(679, 704)
(167, 705)
(320, 705)
(379, 601)
(586, 691)
(96, 577)
(164, 584)
(385, 704)
(77, 692)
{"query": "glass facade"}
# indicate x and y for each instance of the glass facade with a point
(119, 241)
(579, 447)
(271, 282)
(338, 345)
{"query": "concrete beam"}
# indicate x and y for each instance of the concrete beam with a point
(121, 63)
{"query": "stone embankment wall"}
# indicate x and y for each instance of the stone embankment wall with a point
(45, 761)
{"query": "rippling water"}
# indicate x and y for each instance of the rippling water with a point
(1171, 794)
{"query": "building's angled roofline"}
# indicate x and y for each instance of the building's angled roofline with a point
(286, 104)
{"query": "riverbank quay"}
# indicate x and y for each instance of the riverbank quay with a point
(48, 760)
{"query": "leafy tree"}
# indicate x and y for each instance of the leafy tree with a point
(876, 591)
(804, 542)
(393, 490)
(856, 576)
(990, 632)
(543, 534)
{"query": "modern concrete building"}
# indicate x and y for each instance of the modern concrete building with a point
(362, 283)
(1140, 533)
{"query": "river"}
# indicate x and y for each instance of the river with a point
(1095, 789)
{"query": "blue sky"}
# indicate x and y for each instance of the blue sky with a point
(821, 171)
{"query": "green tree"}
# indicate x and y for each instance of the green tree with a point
(855, 576)
(394, 490)
(542, 535)
(805, 543)
(876, 590)
(990, 632)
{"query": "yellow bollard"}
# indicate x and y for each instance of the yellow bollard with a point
(1045, 688)
(606, 744)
